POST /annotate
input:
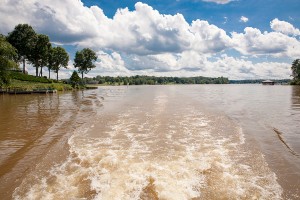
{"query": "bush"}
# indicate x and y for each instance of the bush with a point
(295, 82)
(75, 79)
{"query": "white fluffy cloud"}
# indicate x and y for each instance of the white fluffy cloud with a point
(284, 27)
(244, 19)
(227, 66)
(57, 18)
(110, 63)
(145, 31)
(187, 60)
(238, 68)
(142, 31)
(254, 42)
(208, 38)
(145, 41)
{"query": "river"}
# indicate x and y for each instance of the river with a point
(152, 142)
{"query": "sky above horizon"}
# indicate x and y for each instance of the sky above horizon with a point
(238, 39)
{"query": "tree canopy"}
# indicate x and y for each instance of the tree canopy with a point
(8, 56)
(37, 49)
(296, 71)
(84, 60)
(58, 58)
(39, 52)
(22, 38)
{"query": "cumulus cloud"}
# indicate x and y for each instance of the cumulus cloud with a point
(111, 62)
(192, 63)
(208, 38)
(219, 1)
(144, 41)
(145, 31)
(187, 60)
(64, 23)
(254, 42)
(238, 68)
(142, 31)
(227, 66)
(284, 27)
(244, 19)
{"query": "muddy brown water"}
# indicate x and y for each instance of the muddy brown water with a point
(152, 142)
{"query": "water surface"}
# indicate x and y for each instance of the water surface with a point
(152, 142)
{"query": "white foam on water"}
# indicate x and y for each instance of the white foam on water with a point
(241, 136)
(187, 156)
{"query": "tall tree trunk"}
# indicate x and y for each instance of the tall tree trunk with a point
(82, 77)
(57, 75)
(36, 70)
(49, 73)
(41, 71)
(24, 66)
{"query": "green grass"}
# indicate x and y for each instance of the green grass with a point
(26, 85)
(25, 77)
(29, 82)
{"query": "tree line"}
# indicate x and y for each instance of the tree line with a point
(296, 72)
(24, 45)
(152, 80)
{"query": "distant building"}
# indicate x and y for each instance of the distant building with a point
(268, 82)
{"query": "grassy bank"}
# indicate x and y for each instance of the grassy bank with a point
(27, 85)
(27, 82)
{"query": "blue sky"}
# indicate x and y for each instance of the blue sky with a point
(239, 39)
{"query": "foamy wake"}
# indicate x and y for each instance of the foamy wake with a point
(158, 154)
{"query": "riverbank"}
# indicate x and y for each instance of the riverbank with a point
(26, 83)
(32, 86)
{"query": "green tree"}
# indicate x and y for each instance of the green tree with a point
(8, 56)
(84, 60)
(296, 71)
(22, 38)
(75, 79)
(39, 52)
(59, 58)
